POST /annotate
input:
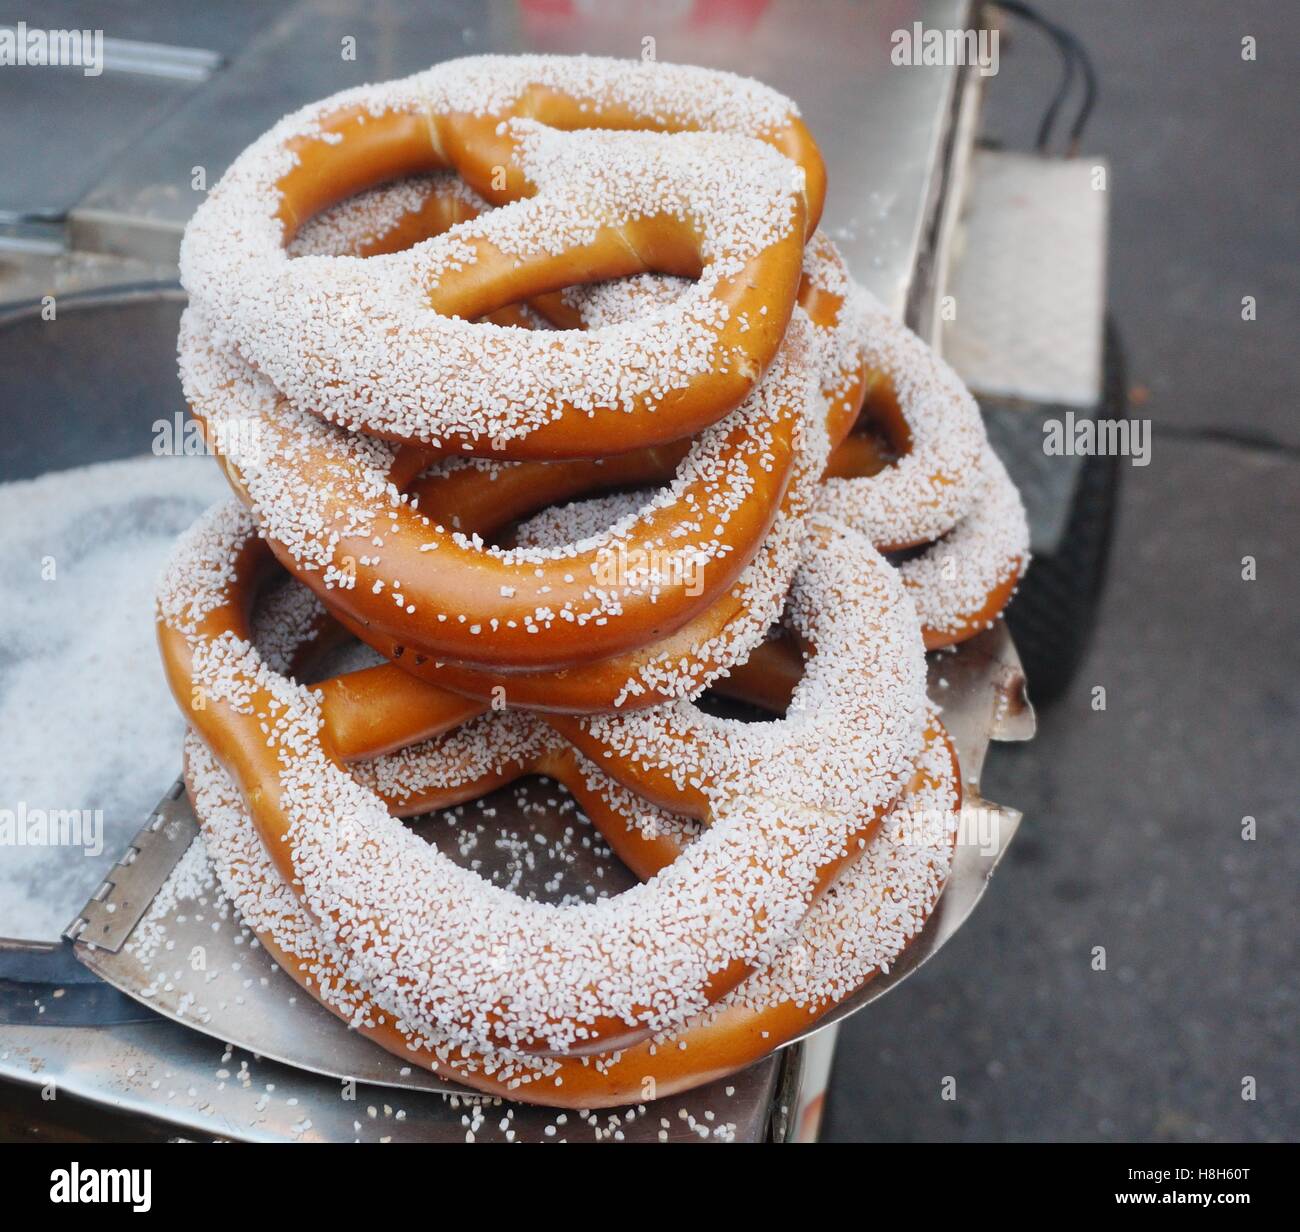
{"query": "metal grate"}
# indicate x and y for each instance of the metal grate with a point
(1029, 280)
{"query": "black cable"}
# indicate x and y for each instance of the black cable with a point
(1065, 49)
(1066, 52)
(1089, 90)
(1054, 107)
(1073, 54)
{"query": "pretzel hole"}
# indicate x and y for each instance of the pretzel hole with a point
(530, 837)
(530, 834)
(879, 437)
(760, 689)
(395, 213)
(384, 218)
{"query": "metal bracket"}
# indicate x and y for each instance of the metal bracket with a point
(123, 897)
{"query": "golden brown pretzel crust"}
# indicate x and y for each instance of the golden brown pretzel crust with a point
(724, 1042)
(860, 456)
(455, 581)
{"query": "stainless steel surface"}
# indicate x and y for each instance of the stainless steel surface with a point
(35, 262)
(1030, 288)
(159, 60)
(931, 284)
(239, 993)
(223, 26)
(104, 370)
(148, 59)
(880, 126)
(63, 132)
(804, 1118)
(191, 1086)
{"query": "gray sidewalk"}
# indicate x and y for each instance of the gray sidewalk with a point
(1132, 839)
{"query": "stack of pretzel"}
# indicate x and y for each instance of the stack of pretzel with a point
(535, 377)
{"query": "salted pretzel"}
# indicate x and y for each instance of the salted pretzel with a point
(304, 473)
(857, 928)
(448, 306)
(935, 485)
(960, 583)
(331, 506)
(930, 420)
(489, 970)
(504, 612)
(963, 580)
(378, 708)
(721, 185)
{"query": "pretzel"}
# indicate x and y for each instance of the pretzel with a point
(376, 709)
(449, 305)
(465, 500)
(931, 422)
(303, 472)
(379, 708)
(672, 754)
(936, 484)
(481, 497)
(389, 345)
(489, 970)
(960, 584)
(329, 505)
(857, 928)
